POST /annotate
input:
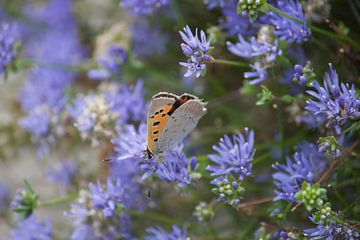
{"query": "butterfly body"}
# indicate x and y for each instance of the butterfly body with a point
(170, 119)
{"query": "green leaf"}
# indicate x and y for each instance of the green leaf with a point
(264, 97)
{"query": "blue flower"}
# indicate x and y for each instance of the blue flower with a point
(287, 29)
(259, 74)
(329, 229)
(132, 143)
(143, 7)
(108, 199)
(253, 48)
(197, 50)
(158, 233)
(65, 175)
(335, 104)
(306, 165)
(111, 64)
(98, 206)
(128, 102)
(176, 168)
(211, 4)
(148, 41)
(4, 197)
(8, 53)
(94, 115)
(234, 23)
(32, 228)
(234, 157)
(45, 90)
(173, 166)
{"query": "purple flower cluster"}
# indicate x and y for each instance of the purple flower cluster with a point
(306, 165)
(8, 53)
(32, 228)
(234, 157)
(335, 104)
(330, 229)
(94, 114)
(261, 52)
(158, 233)
(98, 213)
(287, 29)
(111, 64)
(197, 50)
(143, 7)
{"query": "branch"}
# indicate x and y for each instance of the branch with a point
(332, 169)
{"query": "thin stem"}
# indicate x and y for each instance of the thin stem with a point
(332, 169)
(231, 63)
(255, 202)
(316, 29)
(61, 66)
(57, 201)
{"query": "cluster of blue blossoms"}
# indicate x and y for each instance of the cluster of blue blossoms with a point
(116, 112)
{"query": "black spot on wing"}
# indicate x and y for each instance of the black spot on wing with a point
(156, 132)
(156, 123)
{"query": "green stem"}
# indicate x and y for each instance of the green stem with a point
(344, 223)
(73, 68)
(180, 18)
(316, 29)
(57, 201)
(231, 63)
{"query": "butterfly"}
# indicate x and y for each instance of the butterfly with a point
(170, 119)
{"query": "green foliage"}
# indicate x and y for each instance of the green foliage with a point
(312, 196)
(264, 97)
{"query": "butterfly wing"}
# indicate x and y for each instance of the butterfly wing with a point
(161, 104)
(181, 123)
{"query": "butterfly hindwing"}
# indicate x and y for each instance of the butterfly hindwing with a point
(181, 123)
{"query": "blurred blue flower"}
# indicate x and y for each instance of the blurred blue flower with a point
(211, 4)
(98, 206)
(306, 165)
(110, 64)
(197, 50)
(65, 175)
(158, 233)
(234, 157)
(329, 229)
(32, 228)
(94, 115)
(287, 29)
(4, 197)
(258, 74)
(148, 40)
(131, 143)
(233, 23)
(128, 102)
(55, 47)
(253, 48)
(8, 53)
(143, 7)
(334, 103)
(108, 199)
